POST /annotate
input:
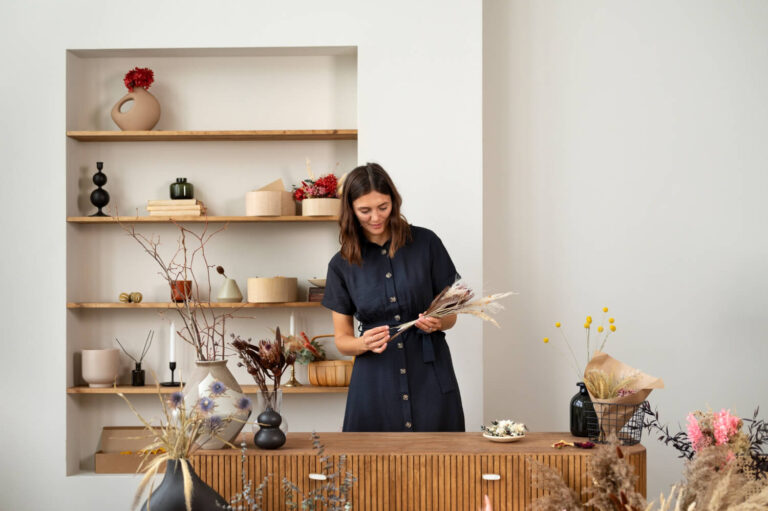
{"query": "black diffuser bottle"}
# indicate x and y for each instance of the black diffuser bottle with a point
(99, 197)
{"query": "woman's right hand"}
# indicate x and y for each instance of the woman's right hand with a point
(376, 339)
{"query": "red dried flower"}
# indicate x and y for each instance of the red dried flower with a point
(139, 77)
(323, 188)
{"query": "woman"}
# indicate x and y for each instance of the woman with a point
(386, 273)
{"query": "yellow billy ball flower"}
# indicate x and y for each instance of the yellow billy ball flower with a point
(557, 324)
(600, 329)
(586, 325)
(589, 319)
(613, 328)
(605, 309)
(611, 320)
(546, 340)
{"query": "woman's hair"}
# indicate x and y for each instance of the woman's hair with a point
(361, 181)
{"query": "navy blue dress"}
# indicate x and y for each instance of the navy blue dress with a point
(411, 386)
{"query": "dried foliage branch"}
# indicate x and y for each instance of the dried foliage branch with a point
(613, 480)
(560, 497)
(457, 299)
(265, 360)
(204, 326)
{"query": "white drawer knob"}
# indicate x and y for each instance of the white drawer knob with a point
(317, 477)
(491, 477)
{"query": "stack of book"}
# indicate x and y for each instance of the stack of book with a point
(178, 207)
(316, 294)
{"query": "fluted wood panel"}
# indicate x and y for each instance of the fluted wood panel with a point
(447, 476)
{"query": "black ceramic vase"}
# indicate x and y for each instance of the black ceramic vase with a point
(582, 412)
(99, 197)
(169, 496)
(269, 436)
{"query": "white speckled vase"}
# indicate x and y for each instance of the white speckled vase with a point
(212, 380)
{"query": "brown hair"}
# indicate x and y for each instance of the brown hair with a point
(361, 181)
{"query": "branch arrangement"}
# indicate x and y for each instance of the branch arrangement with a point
(203, 326)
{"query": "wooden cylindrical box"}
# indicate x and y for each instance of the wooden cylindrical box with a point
(330, 373)
(321, 207)
(272, 289)
(269, 203)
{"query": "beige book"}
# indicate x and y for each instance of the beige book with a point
(173, 202)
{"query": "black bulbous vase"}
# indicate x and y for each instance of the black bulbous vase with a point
(99, 197)
(582, 412)
(169, 496)
(269, 436)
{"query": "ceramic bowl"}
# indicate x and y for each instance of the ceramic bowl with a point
(503, 438)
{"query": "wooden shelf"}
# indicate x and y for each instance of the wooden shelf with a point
(181, 136)
(248, 389)
(196, 219)
(203, 305)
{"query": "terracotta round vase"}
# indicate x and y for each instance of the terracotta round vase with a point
(142, 116)
(213, 381)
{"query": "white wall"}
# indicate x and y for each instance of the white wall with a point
(624, 156)
(419, 114)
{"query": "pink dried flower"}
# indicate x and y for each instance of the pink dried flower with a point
(698, 439)
(725, 426)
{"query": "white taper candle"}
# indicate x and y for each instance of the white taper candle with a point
(293, 325)
(172, 341)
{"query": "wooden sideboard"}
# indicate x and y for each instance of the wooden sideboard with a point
(411, 471)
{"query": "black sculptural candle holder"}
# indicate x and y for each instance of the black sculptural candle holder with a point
(99, 197)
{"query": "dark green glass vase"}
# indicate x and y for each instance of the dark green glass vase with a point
(582, 411)
(182, 190)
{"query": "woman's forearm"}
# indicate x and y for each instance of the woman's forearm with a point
(349, 345)
(447, 322)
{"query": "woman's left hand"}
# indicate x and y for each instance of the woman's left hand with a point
(428, 324)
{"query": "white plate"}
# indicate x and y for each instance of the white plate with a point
(317, 282)
(502, 438)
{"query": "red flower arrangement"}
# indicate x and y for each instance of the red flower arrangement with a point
(324, 187)
(139, 77)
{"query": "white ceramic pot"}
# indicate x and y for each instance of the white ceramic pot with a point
(321, 207)
(100, 367)
(212, 380)
(229, 292)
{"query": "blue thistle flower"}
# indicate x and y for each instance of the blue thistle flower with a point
(206, 404)
(213, 423)
(243, 404)
(218, 388)
(176, 399)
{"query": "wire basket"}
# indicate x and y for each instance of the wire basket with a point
(625, 421)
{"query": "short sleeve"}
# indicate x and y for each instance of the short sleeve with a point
(444, 272)
(336, 296)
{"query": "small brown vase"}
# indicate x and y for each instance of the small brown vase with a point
(180, 290)
(142, 116)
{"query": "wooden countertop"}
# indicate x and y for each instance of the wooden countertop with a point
(416, 443)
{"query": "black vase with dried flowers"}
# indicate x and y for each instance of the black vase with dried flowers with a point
(265, 360)
(137, 375)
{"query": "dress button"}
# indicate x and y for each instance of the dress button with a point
(393, 299)
(383, 251)
(388, 275)
(399, 345)
(397, 317)
(402, 371)
(405, 397)
(408, 425)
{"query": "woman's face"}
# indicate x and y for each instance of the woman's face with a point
(372, 211)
